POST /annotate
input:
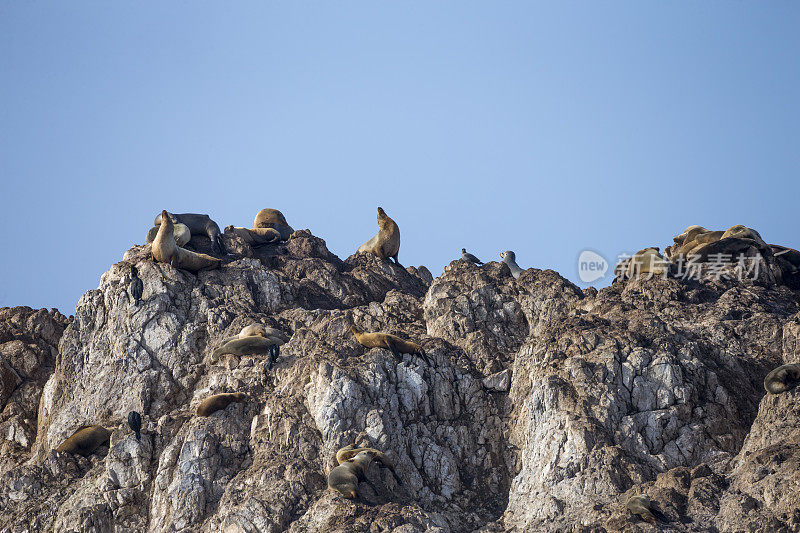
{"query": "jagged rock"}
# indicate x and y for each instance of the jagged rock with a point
(28, 348)
(540, 407)
(499, 382)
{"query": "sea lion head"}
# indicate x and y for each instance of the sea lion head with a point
(229, 228)
(463, 250)
(240, 396)
(508, 254)
(354, 330)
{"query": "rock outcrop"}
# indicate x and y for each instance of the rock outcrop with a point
(539, 407)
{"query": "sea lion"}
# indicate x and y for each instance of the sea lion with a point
(255, 237)
(387, 341)
(782, 379)
(640, 506)
(274, 219)
(510, 258)
(387, 242)
(216, 402)
(743, 232)
(182, 234)
(197, 225)
(345, 477)
(85, 440)
(647, 261)
(135, 422)
(252, 340)
(166, 251)
(469, 258)
(690, 242)
(136, 288)
(261, 330)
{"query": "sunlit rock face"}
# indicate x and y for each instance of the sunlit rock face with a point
(537, 406)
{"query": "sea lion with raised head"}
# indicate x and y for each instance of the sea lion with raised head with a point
(345, 477)
(198, 224)
(389, 342)
(782, 379)
(387, 242)
(273, 219)
(216, 402)
(510, 258)
(182, 234)
(166, 251)
(469, 258)
(85, 440)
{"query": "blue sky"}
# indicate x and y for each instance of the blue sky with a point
(544, 128)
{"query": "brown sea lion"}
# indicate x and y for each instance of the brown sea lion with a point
(640, 506)
(216, 402)
(387, 242)
(182, 234)
(254, 339)
(389, 342)
(345, 477)
(85, 440)
(166, 251)
(255, 237)
(274, 219)
(198, 224)
(782, 379)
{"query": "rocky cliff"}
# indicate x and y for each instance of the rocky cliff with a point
(539, 407)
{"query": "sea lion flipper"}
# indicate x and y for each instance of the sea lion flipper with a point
(393, 347)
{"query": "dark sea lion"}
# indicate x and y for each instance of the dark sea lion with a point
(782, 379)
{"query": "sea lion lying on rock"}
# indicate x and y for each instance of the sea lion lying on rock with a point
(273, 219)
(253, 340)
(644, 263)
(352, 469)
(198, 224)
(255, 237)
(389, 342)
(782, 379)
(85, 440)
(216, 402)
(166, 251)
(697, 243)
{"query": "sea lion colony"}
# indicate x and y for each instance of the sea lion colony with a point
(172, 232)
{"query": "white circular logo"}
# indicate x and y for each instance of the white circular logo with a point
(591, 266)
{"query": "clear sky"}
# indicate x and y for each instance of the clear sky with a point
(544, 128)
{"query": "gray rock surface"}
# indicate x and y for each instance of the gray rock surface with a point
(542, 408)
